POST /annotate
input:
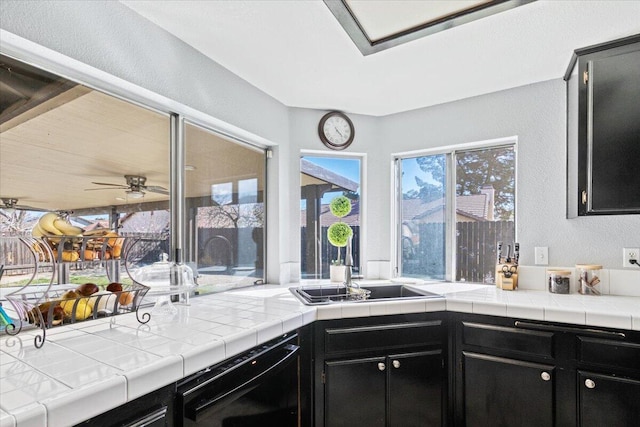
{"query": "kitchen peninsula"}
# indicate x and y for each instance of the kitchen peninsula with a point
(112, 362)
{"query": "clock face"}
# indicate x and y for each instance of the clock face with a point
(336, 130)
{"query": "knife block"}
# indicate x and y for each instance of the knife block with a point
(506, 283)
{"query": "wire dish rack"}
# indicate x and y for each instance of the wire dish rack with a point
(43, 306)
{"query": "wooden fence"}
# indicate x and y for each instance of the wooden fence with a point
(329, 252)
(475, 254)
(17, 259)
(475, 262)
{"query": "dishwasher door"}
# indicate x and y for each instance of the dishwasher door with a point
(256, 388)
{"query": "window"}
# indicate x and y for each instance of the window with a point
(66, 147)
(106, 161)
(225, 182)
(322, 179)
(477, 212)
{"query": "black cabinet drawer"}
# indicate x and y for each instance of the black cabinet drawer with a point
(617, 354)
(346, 340)
(509, 339)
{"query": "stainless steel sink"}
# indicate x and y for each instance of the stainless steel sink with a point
(327, 294)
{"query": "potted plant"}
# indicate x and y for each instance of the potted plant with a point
(339, 234)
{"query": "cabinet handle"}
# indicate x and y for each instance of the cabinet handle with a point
(590, 383)
(381, 366)
(545, 376)
(579, 331)
(396, 364)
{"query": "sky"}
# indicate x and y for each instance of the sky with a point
(347, 167)
(350, 168)
(411, 169)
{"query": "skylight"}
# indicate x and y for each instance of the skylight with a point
(378, 25)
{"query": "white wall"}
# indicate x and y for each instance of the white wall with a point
(303, 135)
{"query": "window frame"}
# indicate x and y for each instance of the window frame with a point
(190, 246)
(450, 152)
(362, 200)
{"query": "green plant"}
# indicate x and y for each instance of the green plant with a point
(340, 206)
(339, 232)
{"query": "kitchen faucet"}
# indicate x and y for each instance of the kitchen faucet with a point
(348, 263)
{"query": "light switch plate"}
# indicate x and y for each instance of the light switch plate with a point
(542, 255)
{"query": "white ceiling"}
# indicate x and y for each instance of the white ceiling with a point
(296, 51)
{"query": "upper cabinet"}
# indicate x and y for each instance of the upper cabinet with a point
(603, 129)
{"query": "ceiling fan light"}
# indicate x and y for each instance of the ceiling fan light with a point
(135, 194)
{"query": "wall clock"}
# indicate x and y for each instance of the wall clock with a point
(336, 130)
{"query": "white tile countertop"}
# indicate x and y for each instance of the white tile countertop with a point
(111, 361)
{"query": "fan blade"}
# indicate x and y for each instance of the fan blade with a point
(110, 188)
(113, 185)
(156, 189)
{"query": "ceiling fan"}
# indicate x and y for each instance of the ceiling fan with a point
(135, 187)
(12, 203)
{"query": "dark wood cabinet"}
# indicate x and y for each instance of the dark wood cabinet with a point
(607, 400)
(416, 386)
(397, 390)
(603, 130)
(510, 372)
(505, 376)
(355, 391)
(381, 371)
(507, 392)
(608, 380)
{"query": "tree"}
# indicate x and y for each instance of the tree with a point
(234, 215)
(428, 191)
(474, 169)
(13, 220)
(492, 166)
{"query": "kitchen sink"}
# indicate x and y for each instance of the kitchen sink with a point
(316, 295)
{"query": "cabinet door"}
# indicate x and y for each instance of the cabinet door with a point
(614, 131)
(355, 392)
(604, 400)
(507, 392)
(416, 389)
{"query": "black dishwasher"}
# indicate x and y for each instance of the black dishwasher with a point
(256, 388)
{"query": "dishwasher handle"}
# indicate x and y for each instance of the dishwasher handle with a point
(193, 410)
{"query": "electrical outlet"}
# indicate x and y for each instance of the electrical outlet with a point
(628, 254)
(542, 255)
